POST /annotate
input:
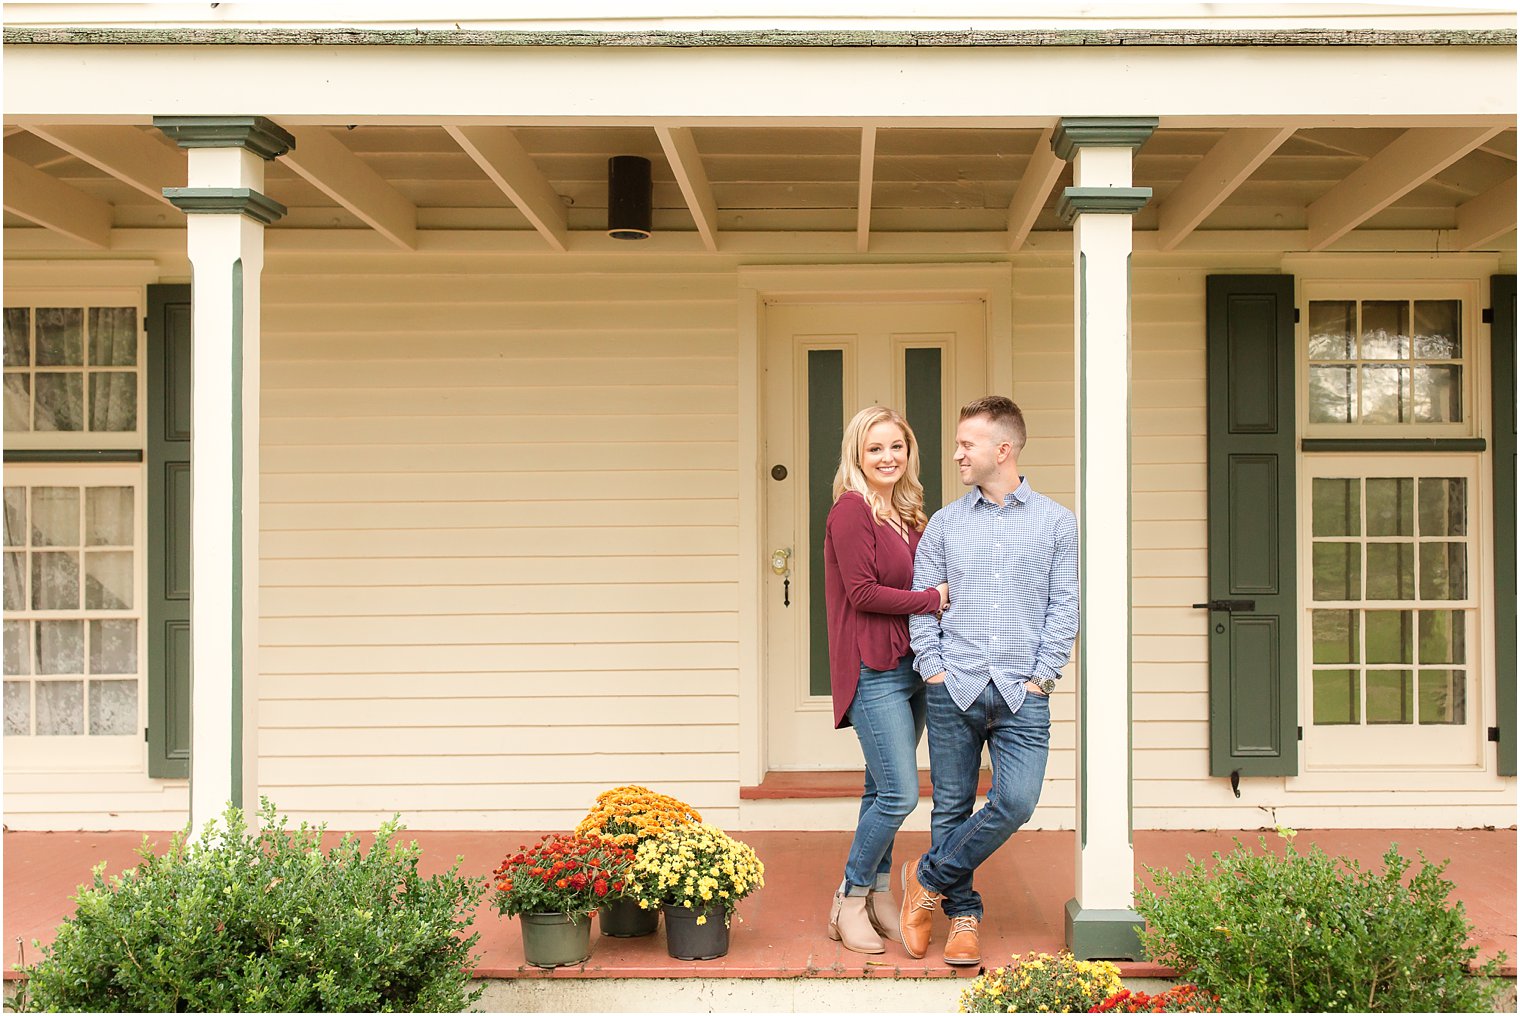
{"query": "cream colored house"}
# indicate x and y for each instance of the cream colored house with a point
(486, 502)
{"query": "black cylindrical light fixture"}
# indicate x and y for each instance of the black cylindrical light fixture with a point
(630, 198)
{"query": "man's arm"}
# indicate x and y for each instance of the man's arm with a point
(924, 629)
(1063, 607)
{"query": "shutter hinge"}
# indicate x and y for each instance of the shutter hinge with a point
(1300, 733)
(1493, 734)
(145, 733)
(1295, 315)
(1488, 315)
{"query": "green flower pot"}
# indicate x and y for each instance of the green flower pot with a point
(685, 939)
(624, 918)
(555, 940)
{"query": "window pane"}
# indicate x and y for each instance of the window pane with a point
(55, 580)
(113, 646)
(15, 580)
(17, 659)
(1390, 696)
(18, 337)
(108, 580)
(1385, 330)
(1437, 329)
(113, 707)
(15, 516)
(60, 708)
(60, 337)
(108, 516)
(113, 400)
(113, 336)
(1443, 506)
(1443, 571)
(1337, 507)
(1385, 394)
(1390, 636)
(1336, 638)
(1390, 506)
(1337, 697)
(60, 401)
(1443, 696)
(55, 516)
(1332, 394)
(18, 707)
(1332, 327)
(1390, 571)
(1443, 636)
(18, 402)
(1337, 571)
(60, 647)
(1437, 396)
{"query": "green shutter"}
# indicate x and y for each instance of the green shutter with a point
(1253, 659)
(168, 553)
(1502, 296)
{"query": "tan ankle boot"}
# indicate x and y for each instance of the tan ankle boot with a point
(881, 908)
(850, 926)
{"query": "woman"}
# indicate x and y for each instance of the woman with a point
(871, 535)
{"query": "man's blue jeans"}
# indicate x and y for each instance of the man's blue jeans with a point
(1020, 744)
(888, 716)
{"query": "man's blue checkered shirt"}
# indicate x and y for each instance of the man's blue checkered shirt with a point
(1012, 570)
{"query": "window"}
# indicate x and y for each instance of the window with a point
(70, 370)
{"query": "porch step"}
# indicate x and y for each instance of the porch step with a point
(830, 783)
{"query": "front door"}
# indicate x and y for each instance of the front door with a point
(823, 363)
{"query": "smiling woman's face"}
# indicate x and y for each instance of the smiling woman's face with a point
(884, 459)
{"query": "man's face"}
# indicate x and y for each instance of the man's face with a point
(976, 450)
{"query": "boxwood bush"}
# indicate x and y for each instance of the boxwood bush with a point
(265, 921)
(1314, 933)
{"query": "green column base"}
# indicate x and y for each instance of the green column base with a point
(1103, 934)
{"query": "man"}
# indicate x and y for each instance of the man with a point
(990, 661)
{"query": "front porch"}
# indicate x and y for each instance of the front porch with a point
(780, 932)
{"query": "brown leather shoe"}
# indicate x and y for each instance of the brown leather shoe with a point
(882, 909)
(964, 946)
(917, 913)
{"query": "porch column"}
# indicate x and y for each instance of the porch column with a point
(226, 212)
(1099, 919)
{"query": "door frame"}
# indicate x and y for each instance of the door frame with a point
(758, 285)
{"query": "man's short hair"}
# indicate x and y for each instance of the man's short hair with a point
(1004, 416)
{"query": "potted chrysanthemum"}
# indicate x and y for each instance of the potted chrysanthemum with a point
(554, 886)
(696, 874)
(627, 816)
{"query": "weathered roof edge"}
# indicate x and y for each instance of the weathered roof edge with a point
(157, 36)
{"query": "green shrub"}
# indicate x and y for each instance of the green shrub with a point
(265, 921)
(1309, 932)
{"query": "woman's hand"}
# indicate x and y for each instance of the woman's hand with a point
(944, 596)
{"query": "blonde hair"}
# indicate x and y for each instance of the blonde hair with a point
(907, 492)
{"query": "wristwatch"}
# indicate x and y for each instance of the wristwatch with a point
(1045, 684)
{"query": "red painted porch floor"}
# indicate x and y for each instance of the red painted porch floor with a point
(780, 931)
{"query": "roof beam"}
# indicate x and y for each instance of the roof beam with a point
(1416, 156)
(507, 163)
(1228, 164)
(686, 163)
(132, 156)
(327, 164)
(867, 181)
(1486, 217)
(53, 204)
(1039, 179)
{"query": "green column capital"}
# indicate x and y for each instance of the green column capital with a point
(1074, 132)
(1076, 201)
(226, 201)
(259, 135)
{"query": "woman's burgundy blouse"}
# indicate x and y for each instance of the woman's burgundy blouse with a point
(867, 585)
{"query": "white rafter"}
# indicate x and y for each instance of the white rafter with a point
(1039, 179)
(130, 155)
(1414, 157)
(503, 159)
(327, 164)
(867, 179)
(53, 204)
(1228, 164)
(686, 163)
(1487, 216)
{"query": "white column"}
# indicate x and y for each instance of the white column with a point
(226, 214)
(1100, 921)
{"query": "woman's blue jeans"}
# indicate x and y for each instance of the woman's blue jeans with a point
(888, 716)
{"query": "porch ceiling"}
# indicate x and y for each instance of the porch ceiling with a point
(546, 186)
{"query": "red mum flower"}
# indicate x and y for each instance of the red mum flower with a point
(600, 887)
(617, 886)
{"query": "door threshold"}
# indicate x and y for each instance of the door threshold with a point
(779, 785)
